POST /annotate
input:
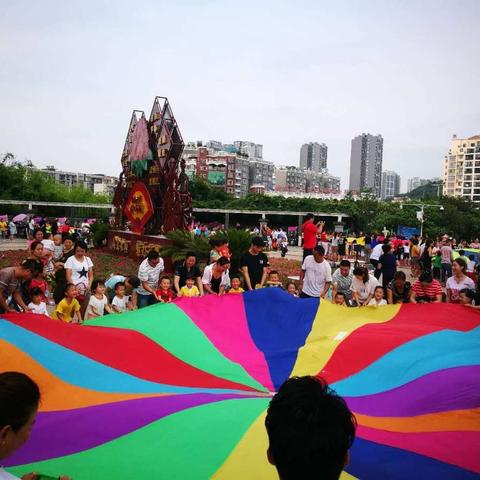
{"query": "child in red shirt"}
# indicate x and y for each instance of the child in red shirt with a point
(164, 293)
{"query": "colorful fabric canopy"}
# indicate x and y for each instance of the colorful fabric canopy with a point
(179, 391)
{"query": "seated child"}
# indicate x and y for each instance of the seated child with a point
(98, 303)
(291, 289)
(37, 305)
(340, 299)
(164, 293)
(377, 300)
(236, 285)
(68, 308)
(466, 296)
(189, 289)
(57, 247)
(273, 280)
(121, 302)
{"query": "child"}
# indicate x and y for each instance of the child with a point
(37, 305)
(57, 247)
(340, 299)
(236, 285)
(164, 293)
(121, 302)
(471, 268)
(215, 243)
(98, 302)
(68, 308)
(377, 300)
(39, 282)
(292, 289)
(466, 297)
(437, 265)
(273, 280)
(223, 249)
(189, 289)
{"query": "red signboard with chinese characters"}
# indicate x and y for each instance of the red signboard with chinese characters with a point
(139, 207)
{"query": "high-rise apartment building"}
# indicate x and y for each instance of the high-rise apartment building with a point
(366, 163)
(416, 182)
(250, 149)
(461, 168)
(390, 184)
(297, 180)
(313, 156)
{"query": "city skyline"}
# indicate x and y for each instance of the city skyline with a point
(71, 81)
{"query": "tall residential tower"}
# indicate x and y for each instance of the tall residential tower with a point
(366, 163)
(313, 156)
(390, 184)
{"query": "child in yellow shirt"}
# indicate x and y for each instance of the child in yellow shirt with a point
(68, 308)
(190, 289)
(236, 286)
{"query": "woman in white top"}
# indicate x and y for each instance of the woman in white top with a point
(19, 399)
(458, 281)
(79, 271)
(216, 276)
(363, 286)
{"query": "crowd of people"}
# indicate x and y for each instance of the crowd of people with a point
(438, 270)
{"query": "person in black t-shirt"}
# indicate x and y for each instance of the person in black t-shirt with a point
(187, 268)
(254, 264)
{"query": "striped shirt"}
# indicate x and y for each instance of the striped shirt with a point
(431, 291)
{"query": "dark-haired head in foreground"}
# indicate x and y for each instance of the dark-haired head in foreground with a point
(310, 430)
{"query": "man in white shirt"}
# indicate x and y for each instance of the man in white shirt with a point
(148, 274)
(316, 275)
(377, 252)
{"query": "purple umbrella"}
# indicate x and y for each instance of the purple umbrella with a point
(20, 217)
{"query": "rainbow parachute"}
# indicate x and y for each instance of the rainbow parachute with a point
(180, 391)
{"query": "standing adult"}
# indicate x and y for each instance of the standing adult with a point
(377, 252)
(426, 256)
(342, 281)
(60, 273)
(12, 227)
(458, 281)
(387, 264)
(254, 264)
(316, 275)
(10, 281)
(447, 258)
(310, 231)
(187, 268)
(31, 228)
(79, 271)
(149, 274)
(367, 249)
(216, 276)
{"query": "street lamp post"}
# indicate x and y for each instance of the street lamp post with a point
(420, 214)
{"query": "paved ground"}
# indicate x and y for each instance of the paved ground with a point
(15, 244)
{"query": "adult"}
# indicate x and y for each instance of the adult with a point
(187, 268)
(458, 281)
(342, 281)
(254, 264)
(216, 276)
(31, 228)
(375, 257)
(341, 245)
(426, 290)
(447, 258)
(10, 281)
(37, 235)
(36, 252)
(367, 249)
(363, 286)
(426, 256)
(334, 246)
(149, 274)
(131, 286)
(79, 271)
(414, 256)
(60, 273)
(310, 430)
(19, 399)
(316, 275)
(387, 264)
(398, 290)
(310, 231)
(12, 227)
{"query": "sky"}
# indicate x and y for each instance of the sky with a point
(279, 73)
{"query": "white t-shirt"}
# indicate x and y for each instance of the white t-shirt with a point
(377, 252)
(48, 244)
(121, 303)
(374, 303)
(207, 276)
(98, 306)
(455, 287)
(364, 289)
(40, 309)
(149, 274)
(79, 269)
(316, 275)
(471, 266)
(7, 476)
